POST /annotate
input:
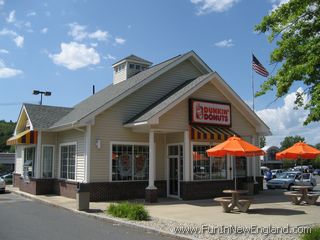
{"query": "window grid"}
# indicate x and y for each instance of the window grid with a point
(68, 159)
(130, 162)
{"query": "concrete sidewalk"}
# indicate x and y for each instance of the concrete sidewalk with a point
(269, 207)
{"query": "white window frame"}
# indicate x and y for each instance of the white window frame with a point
(179, 166)
(110, 157)
(35, 156)
(53, 155)
(191, 157)
(76, 161)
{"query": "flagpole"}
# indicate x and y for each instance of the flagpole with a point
(252, 82)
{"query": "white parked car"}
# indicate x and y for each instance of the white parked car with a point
(2, 185)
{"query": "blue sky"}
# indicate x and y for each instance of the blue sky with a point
(67, 46)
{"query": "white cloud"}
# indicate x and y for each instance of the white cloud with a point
(79, 32)
(6, 72)
(1, 2)
(31, 14)
(119, 40)
(19, 41)
(277, 3)
(286, 121)
(7, 32)
(109, 57)
(74, 56)
(224, 43)
(208, 6)
(4, 51)
(44, 30)
(99, 35)
(12, 17)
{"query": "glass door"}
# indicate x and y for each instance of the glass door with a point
(175, 165)
(173, 176)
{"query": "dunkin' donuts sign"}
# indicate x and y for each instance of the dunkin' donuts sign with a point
(210, 113)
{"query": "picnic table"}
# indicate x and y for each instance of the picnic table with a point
(229, 203)
(302, 195)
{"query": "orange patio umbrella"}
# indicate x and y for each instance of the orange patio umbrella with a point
(235, 146)
(299, 150)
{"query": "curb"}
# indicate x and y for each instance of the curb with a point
(107, 219)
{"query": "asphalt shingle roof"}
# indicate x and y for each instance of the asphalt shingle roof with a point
(168, 99)
(110, 93)
(42, 116)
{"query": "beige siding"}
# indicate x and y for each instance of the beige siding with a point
(19, 160)
(175, 137)
(109, 125)
(68, 137)
(49, 138)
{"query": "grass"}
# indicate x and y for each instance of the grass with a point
(313, 235)
(131, 211)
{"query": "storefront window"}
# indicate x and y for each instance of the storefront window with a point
(29, 162)
(206, 168)
(241, 163)
(201, 162)
(219, 168)
(130, 162)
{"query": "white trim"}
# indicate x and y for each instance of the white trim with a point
(22, 157)
(110, 157)
(75, 164)
(38, 156)
(87, 150)
(186, 156)
(168, 167)
(23, 109)
(53, 155)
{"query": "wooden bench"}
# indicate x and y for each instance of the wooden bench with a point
(295, 197)
(312, 197)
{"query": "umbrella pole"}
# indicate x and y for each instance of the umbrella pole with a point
(234, 173)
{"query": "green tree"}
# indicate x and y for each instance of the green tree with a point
(289, 141)
(262, 142)
(295, 27)
(6, 131)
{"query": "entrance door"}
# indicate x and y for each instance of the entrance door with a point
(173, 176)
(175, 169)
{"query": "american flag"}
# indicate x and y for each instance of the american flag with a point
(258, 67)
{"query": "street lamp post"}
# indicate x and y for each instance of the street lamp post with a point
(37, 92)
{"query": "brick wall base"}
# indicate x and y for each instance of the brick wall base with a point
(110, 191)
(113, 191)
(209, 189)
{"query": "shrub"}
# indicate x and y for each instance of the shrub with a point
(313, 235)
(132, 211)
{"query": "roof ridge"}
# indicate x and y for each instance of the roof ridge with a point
(38, 105)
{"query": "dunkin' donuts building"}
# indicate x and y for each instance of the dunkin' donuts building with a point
(143, 136)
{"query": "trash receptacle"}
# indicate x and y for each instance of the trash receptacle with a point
(83, 197)
(256, 188)
(250, 187)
